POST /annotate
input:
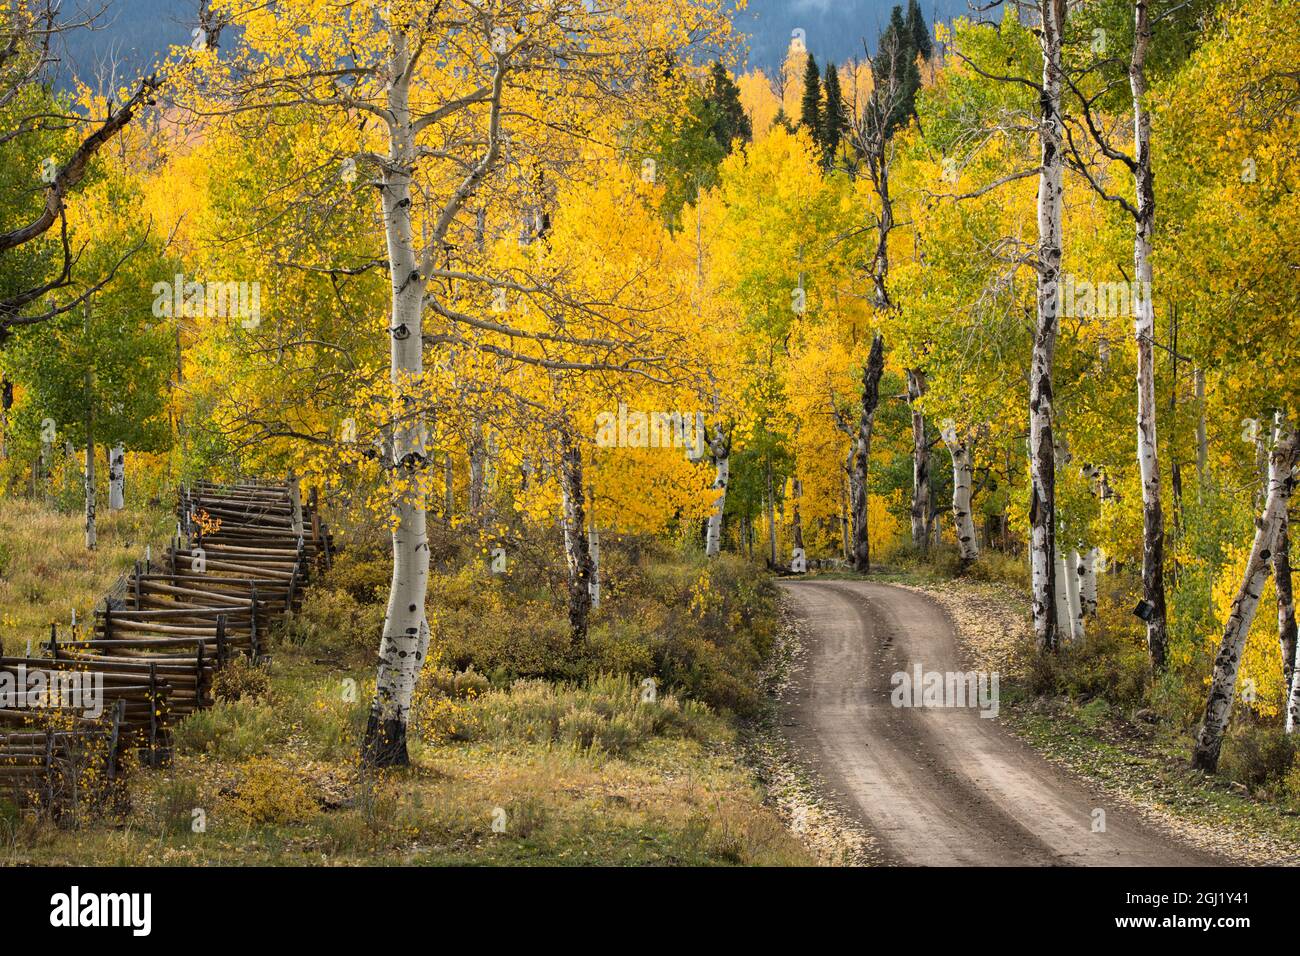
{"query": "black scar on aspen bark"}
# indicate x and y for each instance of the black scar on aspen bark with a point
(384, 744)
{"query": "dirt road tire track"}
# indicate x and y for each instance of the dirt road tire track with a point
(938, 786)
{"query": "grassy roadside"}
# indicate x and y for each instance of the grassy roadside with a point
(524, 751)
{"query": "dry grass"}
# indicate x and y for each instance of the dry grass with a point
(272, 775)
(46, 571)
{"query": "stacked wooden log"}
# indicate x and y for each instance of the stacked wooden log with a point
(59, 761)
(239, 561)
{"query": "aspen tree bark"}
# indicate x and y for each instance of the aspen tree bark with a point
(1088, 582)
(1202, 443)
(1074, 597)
(1042, 461)
(90, 485)
(796, 520)
(1153, 522)
(771, 518)
(846, 529)
(871, 373)
(448, 488)
(720, 450)
(1293, 700)
(117, 478)
(295, 503)
(577, 552)
(1286, 621)
(1062, 597)
(6, 400)
(920, 464)
(477, 469)
(406, 629)
(1223, 685)
(593, 548)
(962, 481)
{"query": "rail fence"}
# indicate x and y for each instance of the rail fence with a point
(240, 559)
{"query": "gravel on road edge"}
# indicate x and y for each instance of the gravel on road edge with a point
(829, 834)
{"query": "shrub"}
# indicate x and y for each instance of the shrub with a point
(232, 730)
(1257, 756)
(271, 792)
(174, 805)
(333, 623)
(607, 715)
(241, 679)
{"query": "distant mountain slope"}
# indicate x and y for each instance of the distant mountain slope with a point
(131, 35)
(835, 29)
(135, 33)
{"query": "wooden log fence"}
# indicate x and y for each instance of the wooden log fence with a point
(241, 558)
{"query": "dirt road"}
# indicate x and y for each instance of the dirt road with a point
(938, 786)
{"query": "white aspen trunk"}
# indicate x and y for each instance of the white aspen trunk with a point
(90, 488)
(1223, 685)
(920, 464)
(771, 519)
(1153, 523)
(962, 481)
(477, 469)
(1042, 462)
(1088, 582)
(720, 449)
(406, 629)
(577, 555)
(593, 549)
(1286, 620)
(295, 502)
(858, 486)
(798, 559)
(1074, 596)
(448, 488)
(1202, 442)
(6, 398)
(117, 478)
(1293, 698)
(1061, 598)
(846, 510)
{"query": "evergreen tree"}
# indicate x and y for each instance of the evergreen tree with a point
(919, 30)
(731, 122)
(782, 119)
(894, 69)
(811, 118)
(834, 122)
(688, 148)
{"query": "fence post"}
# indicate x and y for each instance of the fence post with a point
(200, 679)
(49, 770)
(119, 715)
(252, 621)
(221, 640)
(153, 714)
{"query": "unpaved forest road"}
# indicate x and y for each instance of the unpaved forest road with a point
(937, 786)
